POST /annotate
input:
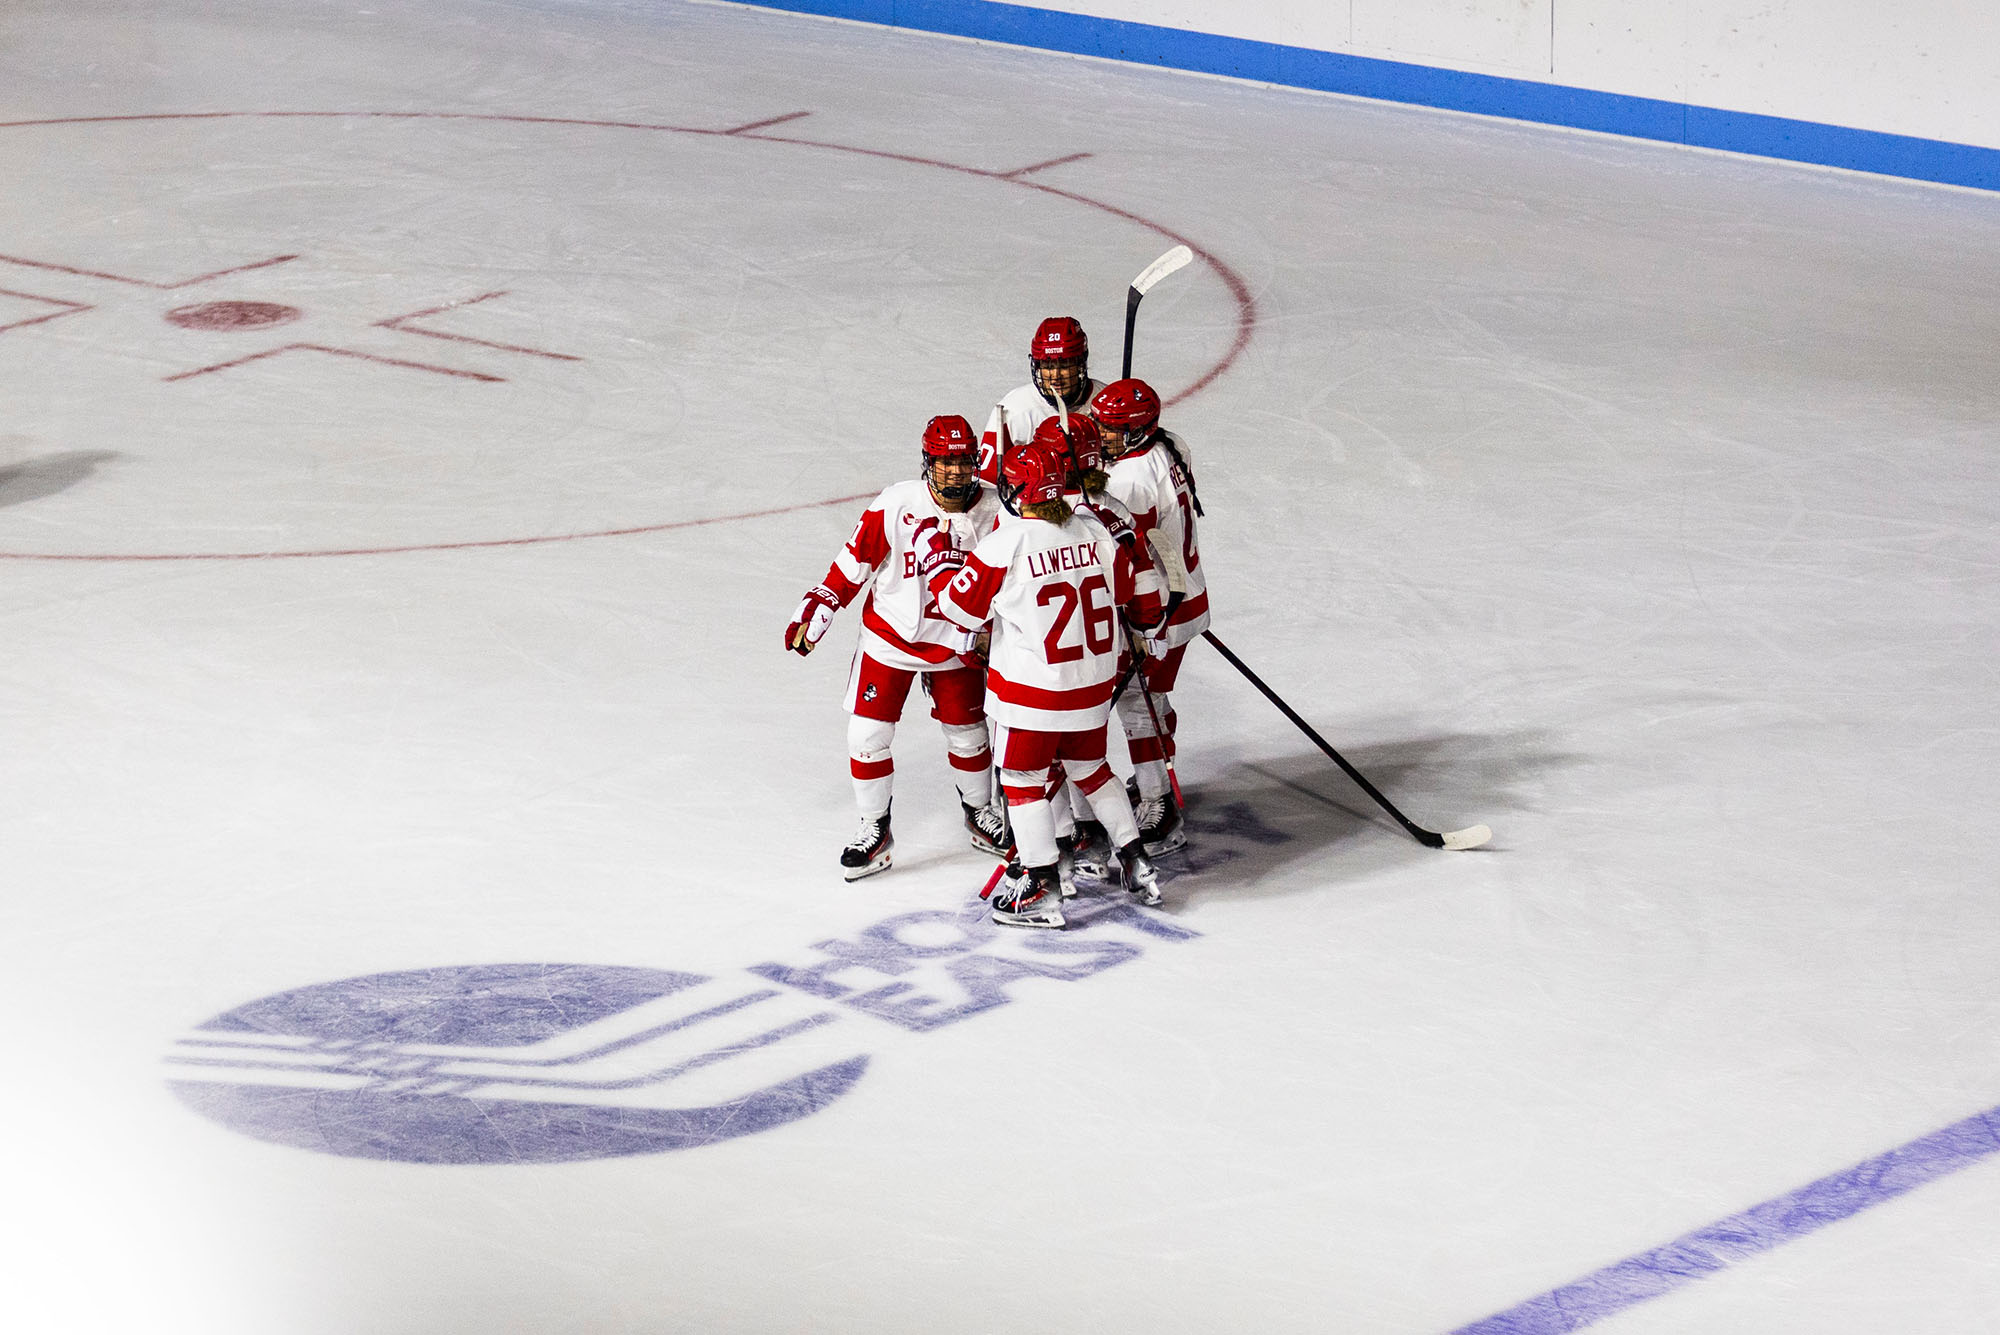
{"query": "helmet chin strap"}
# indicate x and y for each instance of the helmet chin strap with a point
(956, 499)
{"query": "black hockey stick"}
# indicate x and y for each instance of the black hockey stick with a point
(1470, 837)
(1148, 276)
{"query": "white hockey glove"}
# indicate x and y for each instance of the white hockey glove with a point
(815, 614)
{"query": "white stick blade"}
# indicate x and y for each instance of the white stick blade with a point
(1470, 837)
(1160, 268)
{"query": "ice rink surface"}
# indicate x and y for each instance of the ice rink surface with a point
(416, 427)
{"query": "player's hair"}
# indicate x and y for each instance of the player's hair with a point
(1056, 511)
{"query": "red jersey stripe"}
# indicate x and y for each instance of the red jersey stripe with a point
(929, 653)
(1036, 697)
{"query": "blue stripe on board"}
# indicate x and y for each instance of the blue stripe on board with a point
(1424, 85)
(1693, 1256)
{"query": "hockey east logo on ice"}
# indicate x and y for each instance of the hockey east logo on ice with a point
(547, 1063)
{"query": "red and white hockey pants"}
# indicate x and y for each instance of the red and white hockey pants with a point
(1025, 758)
(875, 699)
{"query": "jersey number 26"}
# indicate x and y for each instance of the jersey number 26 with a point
(1097, 618)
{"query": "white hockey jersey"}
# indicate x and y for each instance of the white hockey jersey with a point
(896, 629)
(1023, 410)
(1160, 497)
(1052, 593)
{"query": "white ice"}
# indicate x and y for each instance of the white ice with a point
(1638, 502)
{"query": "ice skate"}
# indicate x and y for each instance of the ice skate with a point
(1034, 901)
(869, 850)
(1012, 876)
(1160, 824)
(988, 827)
(1136, 872)
(1090, 859)
(1066, 865)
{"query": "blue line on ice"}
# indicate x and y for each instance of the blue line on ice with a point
(1693, 1256)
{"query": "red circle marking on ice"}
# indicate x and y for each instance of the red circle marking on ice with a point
(227, 315)
(1239, 291)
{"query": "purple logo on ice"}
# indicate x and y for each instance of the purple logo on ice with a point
(544, 1063)
(514, 1063)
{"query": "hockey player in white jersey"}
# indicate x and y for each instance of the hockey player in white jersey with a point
(1051, 585)
(1058, 382)
(1086, 849)
(1151, 474)
(903, 639)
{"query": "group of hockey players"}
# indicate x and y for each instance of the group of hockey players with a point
(1036, 579)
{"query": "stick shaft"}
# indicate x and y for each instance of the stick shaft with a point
(1138, 676)
(1417, 832)
(1132, 296)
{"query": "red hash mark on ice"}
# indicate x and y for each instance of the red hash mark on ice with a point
(768, 122)
(1019, 172)
(400, 323)
(68, 308)
(337, 352)
(141, 282)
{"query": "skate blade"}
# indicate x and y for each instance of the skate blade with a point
(1039, 918)
(1169, 843)
(880, 863)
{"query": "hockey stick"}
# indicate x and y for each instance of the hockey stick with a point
(1166, 742)
(1470, 837)
(1148, 276)
(1137, 676)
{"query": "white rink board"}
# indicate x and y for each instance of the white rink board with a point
(1928, 68)
(1636, 502)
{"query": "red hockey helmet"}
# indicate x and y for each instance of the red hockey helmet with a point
(950, 434)
(1059, 361)
(1127, 405)
(1035, 473)
(1059, 338)
(1074, 441)
(1127, 410)
(951, 461)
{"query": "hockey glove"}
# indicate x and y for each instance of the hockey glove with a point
(938, 565)
(815, 614)
(1117, 525)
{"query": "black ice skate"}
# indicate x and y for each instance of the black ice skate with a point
(869, 851)
(1090, 858)
(1135, 869)
(1033, 901)
(1160, 824)
(988, 827)
(1066, 864)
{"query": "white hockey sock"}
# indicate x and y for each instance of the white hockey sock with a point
(870, 763)
(1032, 818)
(1113, 807)
(1148, 748)
(971, 761)
(1151, 776)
